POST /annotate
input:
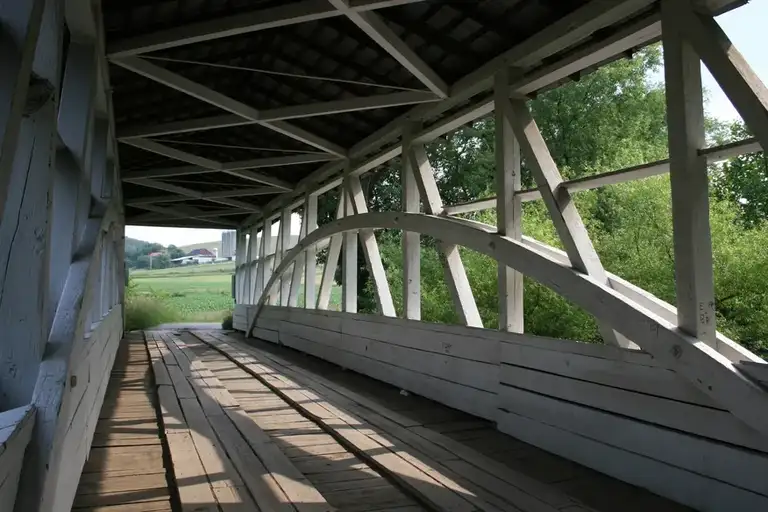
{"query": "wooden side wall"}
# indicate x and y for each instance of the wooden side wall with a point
(90, 367)
(615, 410)
(15, 431)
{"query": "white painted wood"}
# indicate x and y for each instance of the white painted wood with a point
(349, 259)
(395, 99)
(77, 94)
(298, 265)
(560, 428)
(285, 246)
(371, 250)
(694, 279)
(581, 23)
(208, 95)
(379, 31)
(565, 216)
(453, 267)
(509, 210)
(21, 27)
(715, 425)
(15, 431)
(713, 155)
(708, 370)
(736, 78)
(727, 347)
(310, 259)
(331, 262)
(173, 153)
(411, 241)
(24, 318)
(242, 23)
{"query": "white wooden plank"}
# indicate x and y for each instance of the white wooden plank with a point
(709, 371)
(331, 262)
(509, 209)
(310, 258)
(17, 52)
(411, 241)
(371, 250)
(565, 216)
(349, 259)
(708, 423)
(453, 267)
(743, 87)
(626, 450)
(694, 278)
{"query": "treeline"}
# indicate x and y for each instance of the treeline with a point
(611, 119)
(137, 254)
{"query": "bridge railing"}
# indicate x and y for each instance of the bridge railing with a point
(531, 393)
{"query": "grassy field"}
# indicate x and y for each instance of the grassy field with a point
(199, 293)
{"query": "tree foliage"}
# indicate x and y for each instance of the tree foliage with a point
(611, 119)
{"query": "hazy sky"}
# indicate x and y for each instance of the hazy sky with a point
(744, 27)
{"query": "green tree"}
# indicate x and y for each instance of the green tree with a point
(174, 252)
(742, 180)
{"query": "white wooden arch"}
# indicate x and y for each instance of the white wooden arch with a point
(706, 368)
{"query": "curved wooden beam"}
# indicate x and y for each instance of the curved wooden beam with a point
(705, 368)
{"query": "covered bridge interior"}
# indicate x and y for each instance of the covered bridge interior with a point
(243, 114)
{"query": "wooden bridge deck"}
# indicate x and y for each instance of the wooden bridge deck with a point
(206, 422)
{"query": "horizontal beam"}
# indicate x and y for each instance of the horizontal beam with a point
(173, 153)
(357, 104)
(208, 95)
(282, 113)
(638, 172)
(243, 23)
(239, 192)
(638, 33)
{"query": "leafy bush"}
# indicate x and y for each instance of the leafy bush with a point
(145, 311)
(226, 323)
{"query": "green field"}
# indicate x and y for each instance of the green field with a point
(199, 293)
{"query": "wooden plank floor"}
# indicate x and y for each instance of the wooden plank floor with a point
(593, 489)
(202, 422)
(125, 471)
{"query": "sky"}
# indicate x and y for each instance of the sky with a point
(744, 26)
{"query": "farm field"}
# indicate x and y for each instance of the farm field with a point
(199, 293)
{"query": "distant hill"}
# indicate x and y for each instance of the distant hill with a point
(133, 244)
(203, 245)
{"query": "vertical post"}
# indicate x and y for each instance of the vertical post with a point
(239, 270)
(331, 261)
(411, 241)
(285, 245)
(453, 267)
(277, 286)
(688, 177)
(349, 261)
(266, 245)
(253, 270)
(298, 263)
(310, 262)
(509, 207)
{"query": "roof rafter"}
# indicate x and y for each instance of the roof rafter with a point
(385, 37)
(237, 192)
(256, 163)
(262, 19)
(186, 212)
(208, 95)
(282, 113)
